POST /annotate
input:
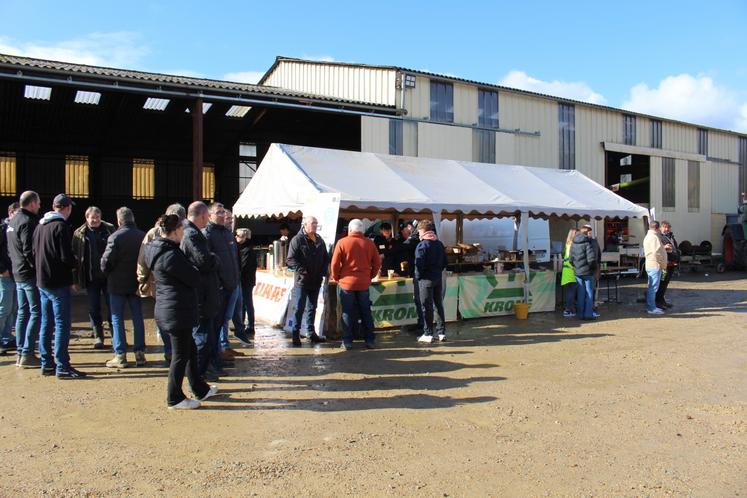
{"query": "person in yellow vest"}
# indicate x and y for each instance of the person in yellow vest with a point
(568, 278)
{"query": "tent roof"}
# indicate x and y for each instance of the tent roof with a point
(289, 175)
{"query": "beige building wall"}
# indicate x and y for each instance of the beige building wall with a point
(360, 84)
(444, 142)
(594, 126)
(465, 104)
(679, 137)
(694, 226)
(374, 135)
(530, 114)
(723, 146)
(418, 99)
(724, 187)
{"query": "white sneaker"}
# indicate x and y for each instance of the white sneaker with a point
(186, 404)
(119, 361)
(441, 337)
(425, 338)
(211, 392)
(656, 311)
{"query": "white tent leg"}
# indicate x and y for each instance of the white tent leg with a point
(525, 238)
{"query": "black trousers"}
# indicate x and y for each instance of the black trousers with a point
(184, 360)
(665, 278)
(431, 296)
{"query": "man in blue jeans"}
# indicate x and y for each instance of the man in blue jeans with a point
(584, 259)
(309, 259)
(54, 259)
(119, 264)
(20, 235)
(355, 262)
(7, 287)
(656, 261)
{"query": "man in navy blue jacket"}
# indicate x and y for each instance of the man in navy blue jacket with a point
(430, 262)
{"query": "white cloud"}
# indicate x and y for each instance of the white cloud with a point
(576, 90)
(320, 58)
(116, 49)
(244, 76)
(696, 99)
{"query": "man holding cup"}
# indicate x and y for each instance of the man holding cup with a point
(355, 262)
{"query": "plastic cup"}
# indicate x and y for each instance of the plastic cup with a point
(390, 274)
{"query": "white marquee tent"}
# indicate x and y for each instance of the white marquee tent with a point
(290, 175)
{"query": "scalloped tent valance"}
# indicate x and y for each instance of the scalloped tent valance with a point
(289, 175)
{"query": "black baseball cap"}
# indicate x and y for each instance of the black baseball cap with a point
(62, 201)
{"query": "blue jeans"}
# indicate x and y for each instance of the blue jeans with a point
(431, 296)
(654, 278)
(585, 297)
(119, 337)
(94, 291)
(356, 304)
(305, 302)
(569, 296)
(238, 310)
(7, 306)
(247, 293)
(55, 306)
(27, 322)
(228, 303)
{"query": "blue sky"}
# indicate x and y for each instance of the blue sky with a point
(681, 59)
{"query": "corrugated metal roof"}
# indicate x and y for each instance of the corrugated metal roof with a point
(280, 59)
(204, 84)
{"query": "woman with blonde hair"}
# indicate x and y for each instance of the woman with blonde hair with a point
(568, 277)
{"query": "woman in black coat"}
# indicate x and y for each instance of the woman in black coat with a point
(248, 260)
(177, 311)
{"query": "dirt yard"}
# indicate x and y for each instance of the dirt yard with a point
(630, 405)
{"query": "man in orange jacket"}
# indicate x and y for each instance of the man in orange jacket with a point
(355, 262)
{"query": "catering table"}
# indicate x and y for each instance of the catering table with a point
(612, 274)
(393, 304)
(491, 294)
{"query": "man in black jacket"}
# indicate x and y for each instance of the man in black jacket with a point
(20, 249)
(119, 264)
(53, 252)
(308, 257)
(673, 258)
(7, 287)
(583, 258)
(195, 246)
(89, 242)
(407, 243)
(223, 244)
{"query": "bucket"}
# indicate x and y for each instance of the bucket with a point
(521, 310)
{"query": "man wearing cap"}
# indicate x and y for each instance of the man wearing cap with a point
(589, 230)
(20, 235)
(54, 258)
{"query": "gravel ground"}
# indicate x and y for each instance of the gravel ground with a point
(629, 405)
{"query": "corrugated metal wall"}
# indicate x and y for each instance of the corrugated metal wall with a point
(724, 187)
(594, 126)
(361, 84)
(516, 111)
(445, 142)
(465, 104)
(418, 99)
(374, 135)
(679, 137)
(723, 146)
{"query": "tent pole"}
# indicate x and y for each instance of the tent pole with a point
(525, 239)
(460, 228)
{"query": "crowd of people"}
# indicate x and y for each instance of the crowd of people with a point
(582, 265)
(200, 273)
(355, 262)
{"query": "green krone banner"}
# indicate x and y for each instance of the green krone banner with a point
(392, 302)
(492, 295)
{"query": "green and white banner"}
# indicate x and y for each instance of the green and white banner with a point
(492, 295)
(392, 302)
